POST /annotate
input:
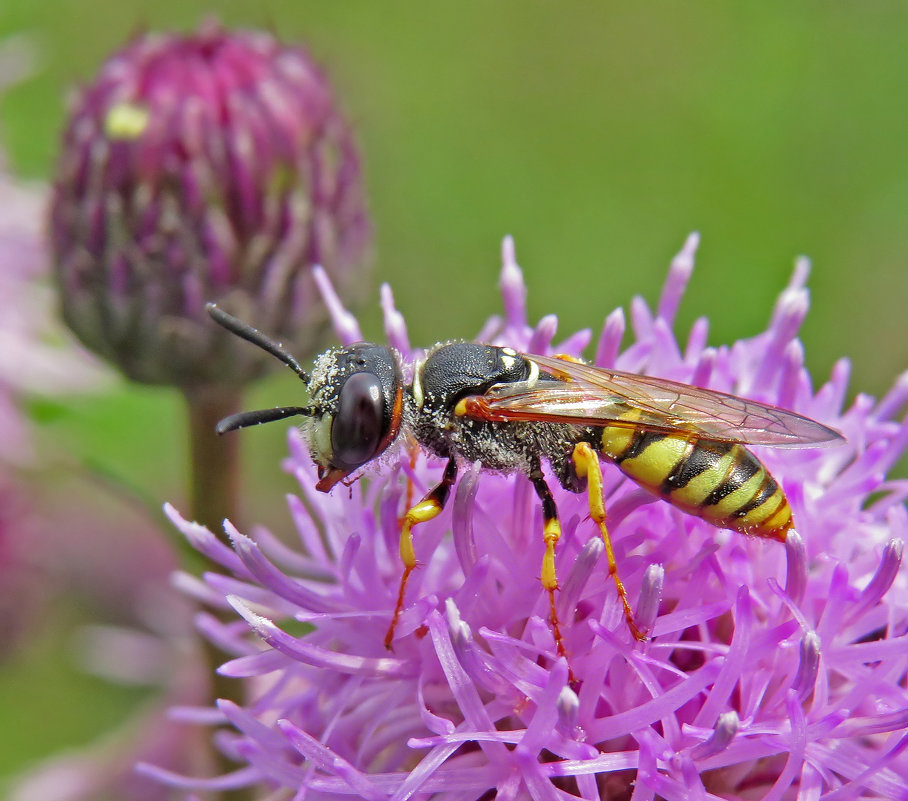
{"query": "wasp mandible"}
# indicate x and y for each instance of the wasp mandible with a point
(509, 411)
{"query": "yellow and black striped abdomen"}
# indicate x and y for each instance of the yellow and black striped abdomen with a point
(721, 482)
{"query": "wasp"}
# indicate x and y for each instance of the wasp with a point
(512, 411)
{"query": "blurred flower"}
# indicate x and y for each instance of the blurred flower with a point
(161, 657)
(773, 671)
(21, 592)
(57, 540)
(208, 166)
(34, 360)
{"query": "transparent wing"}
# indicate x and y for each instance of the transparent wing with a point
(587, 395)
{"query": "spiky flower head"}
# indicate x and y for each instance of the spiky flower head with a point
(773, 671)
(199, 167)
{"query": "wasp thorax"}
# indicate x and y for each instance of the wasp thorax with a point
(357, 397)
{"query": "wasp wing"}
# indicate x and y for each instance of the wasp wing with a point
(581, 394)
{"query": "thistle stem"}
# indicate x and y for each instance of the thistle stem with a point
(214, 460)
(214, 487)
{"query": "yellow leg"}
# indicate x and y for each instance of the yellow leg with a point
(586, 462)
(408, 493)
(552, 533)
(427, 509)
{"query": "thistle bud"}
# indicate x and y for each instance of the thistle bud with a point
(213, 166)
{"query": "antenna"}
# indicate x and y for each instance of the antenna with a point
(246, 419)
(256, 337)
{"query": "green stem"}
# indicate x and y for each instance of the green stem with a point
(214, 460)
(215, 493)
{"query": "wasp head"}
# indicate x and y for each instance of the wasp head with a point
(356, 401)
(356, 409)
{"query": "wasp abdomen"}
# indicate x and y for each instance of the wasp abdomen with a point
(722, 482)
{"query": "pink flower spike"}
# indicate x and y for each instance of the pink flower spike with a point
(569, 710)
(704, 369)
(231, 781)
(641, 319)
(895, 400)
(204, 541)
(317, 657)
(726, 729)
(345, 325)
(576, 342)
(796, 577)
(882, 580)
(808, 666)
(581, 572)
(610, 339)
(541, 340)
(796, 748)
(696, 340)
(789, 315)
(800, 274)
(513, 289)
(395, 327)
(545, 718)
(650, 597)
(679, 273)
(790, 381)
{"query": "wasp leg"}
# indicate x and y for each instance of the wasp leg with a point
(552, 533)
(427, 509)
(586, 462)
(413, 451)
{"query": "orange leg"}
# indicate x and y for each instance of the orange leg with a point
(586, 462)
(427, 509)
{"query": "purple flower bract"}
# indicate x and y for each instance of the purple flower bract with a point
(211, 166)
(772, 672)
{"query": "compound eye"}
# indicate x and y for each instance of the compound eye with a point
(359, 423)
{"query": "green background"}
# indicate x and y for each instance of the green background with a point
(598, 134)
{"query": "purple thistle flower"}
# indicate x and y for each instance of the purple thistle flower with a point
(34, 359)
(33, 356)
(208, 166)
(773, 671)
